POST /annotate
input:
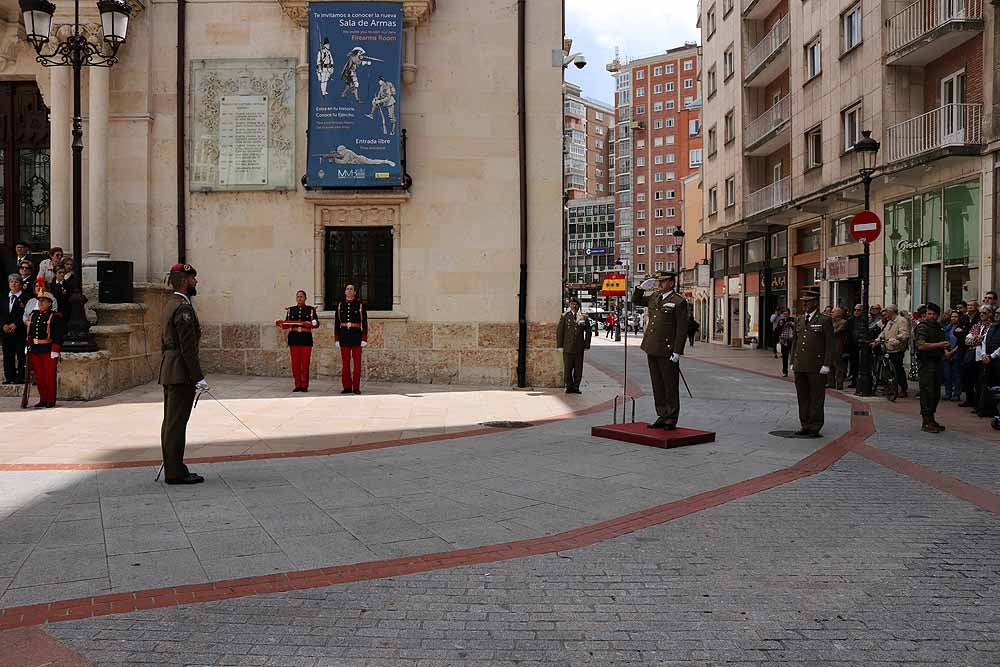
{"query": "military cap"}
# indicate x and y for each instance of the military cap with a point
(808, 294)
(183, 268)
(664, 275)
(46, 295)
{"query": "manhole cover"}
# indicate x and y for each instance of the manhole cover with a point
(507, 424)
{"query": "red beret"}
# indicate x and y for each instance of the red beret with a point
(183, 268)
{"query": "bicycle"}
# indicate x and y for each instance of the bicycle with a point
(883, 373)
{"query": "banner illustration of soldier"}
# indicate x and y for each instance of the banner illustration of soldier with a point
(353, 123)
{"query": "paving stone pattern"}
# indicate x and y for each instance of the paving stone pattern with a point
(76, 534)
(856, 566)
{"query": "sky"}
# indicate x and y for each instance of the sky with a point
(639, 28)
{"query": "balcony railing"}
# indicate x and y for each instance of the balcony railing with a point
(950, 125)
(768, 122)
(925, 16)
(575, 167)
(768, 46)
(767, 198)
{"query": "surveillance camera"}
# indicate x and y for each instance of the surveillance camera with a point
(580, 61)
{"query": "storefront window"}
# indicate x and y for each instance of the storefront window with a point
(719, 322)
(751, 331)
(734, 259)
(779, 244)
(809, 239)
(719, 259)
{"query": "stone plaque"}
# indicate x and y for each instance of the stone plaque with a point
(242, 125)
(243, 140)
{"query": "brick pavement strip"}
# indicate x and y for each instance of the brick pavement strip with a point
(855, 566)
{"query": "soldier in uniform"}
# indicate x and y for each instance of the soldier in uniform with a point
(180, 372)
(931, 344)
(45, 337)
(351, 333)
(812, 359)
(385, 100)
(573, 337)
(663, 342)
(300, 339)
(355, 59)
(324, 65)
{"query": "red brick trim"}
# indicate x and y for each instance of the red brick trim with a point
(953, 486)
(104, 605)
(632, 390)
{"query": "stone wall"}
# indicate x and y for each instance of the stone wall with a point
(398, 351)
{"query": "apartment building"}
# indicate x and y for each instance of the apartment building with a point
(590, 235)
(658, 144)
(789, 87)
(588, 130)
(695, 280)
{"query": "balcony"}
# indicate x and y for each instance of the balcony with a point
(759, 9)
(769, 57)
(768, 198)
(769, 131)
(954, 129)
(927, 29)
(573, 167)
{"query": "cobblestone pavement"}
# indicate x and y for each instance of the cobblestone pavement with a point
(856, 566)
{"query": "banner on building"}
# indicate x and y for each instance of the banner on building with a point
(614, 284)
(355, 64)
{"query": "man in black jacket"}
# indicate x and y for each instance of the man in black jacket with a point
(14, 331)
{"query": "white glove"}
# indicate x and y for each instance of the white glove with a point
(559, 349)
(825, 370)
(337, 343)
(54, 355)
(364, 343)
(201, 385)
(315, 323)
(676, 358)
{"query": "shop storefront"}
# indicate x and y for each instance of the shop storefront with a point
(844, 281)
(751, 301)
(718, 310)
(932, 247)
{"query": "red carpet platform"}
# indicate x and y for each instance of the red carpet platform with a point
(640, 434)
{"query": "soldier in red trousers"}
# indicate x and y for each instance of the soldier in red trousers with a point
(45, 337)
(351, 334)
(300, 320)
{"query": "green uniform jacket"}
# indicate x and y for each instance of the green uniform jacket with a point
(181, 336)
(815, 346)
(929, 332)
(573, 336)
(666, 322)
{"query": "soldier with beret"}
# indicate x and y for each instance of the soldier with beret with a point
(813, 353)
(180, 372)
(351, 333)
(573, 337)
(300, 338)
(663, 342)
(45, 337)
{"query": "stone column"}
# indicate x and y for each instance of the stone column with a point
(97, 172)
(60, 158)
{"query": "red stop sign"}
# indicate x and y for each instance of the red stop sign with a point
(865, 227)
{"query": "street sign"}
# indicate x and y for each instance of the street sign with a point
(596, 251)
(865, 227)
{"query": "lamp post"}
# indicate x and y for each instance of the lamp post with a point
(868, 149)
(77, 51)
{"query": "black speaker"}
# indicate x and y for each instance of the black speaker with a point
(114, 280)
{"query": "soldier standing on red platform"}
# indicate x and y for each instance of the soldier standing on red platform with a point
(351, 334)
(300, 338)
(45, 336)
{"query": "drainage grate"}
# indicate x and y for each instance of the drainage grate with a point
(507, 424)
(862, 413)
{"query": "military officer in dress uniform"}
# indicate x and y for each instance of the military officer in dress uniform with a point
(812, 358)
(180, 372)
(45, 337)
(300, 339)
(573, 337)
(663, 342)
(351, 333)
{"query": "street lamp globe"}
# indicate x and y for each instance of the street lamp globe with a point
(868, 149)
(114, 20)
(37, 21)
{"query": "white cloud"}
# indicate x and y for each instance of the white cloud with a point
(638, 27)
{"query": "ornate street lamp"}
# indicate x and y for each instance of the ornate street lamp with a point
(868, 149)
(77, 52)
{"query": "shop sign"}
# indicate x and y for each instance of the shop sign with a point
(841, 268)
(912, 245)
(779, 281)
